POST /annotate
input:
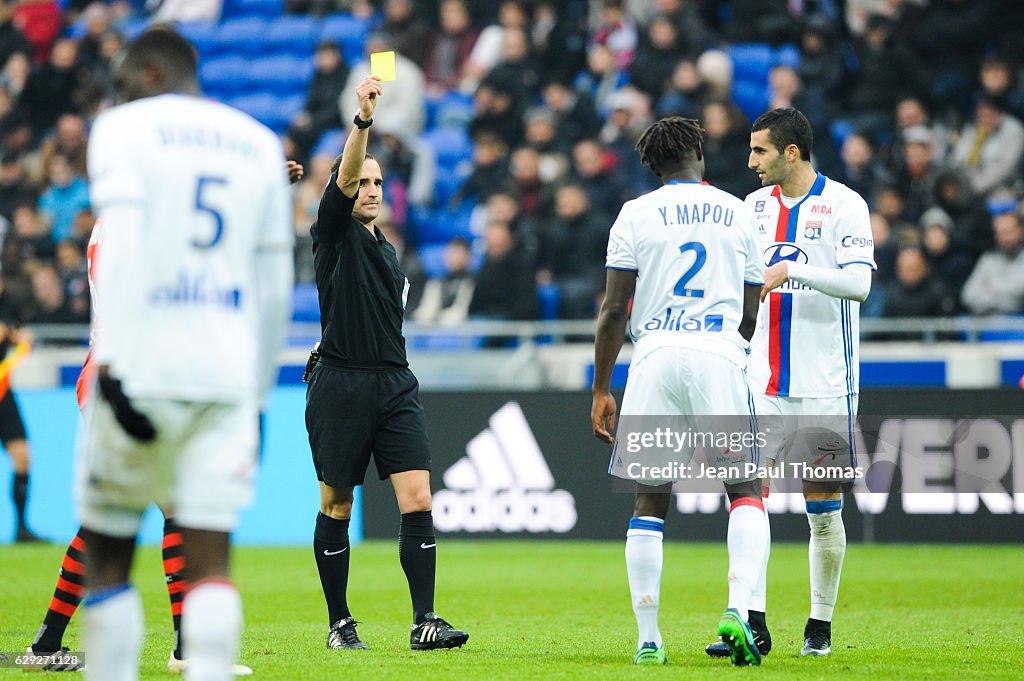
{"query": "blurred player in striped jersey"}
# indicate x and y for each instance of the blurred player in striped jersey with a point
(815, 235)
(70, 588)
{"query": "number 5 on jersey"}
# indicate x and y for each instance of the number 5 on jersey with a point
(203, 186)
(700, 257)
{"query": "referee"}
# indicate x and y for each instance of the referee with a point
(362, 399)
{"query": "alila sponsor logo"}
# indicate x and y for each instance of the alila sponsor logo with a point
(503, 484)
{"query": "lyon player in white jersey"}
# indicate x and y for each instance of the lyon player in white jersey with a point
(815, 235)
(686, 255)
(194, 283)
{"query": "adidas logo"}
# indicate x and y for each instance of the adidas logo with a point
(503, 483)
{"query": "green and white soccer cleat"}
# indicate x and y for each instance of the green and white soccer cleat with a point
(650, 655)
(736, 633)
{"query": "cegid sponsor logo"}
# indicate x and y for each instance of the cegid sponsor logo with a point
(503, 484)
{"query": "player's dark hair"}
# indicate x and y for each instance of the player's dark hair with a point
(163, 48)
(337, 161)
(786, 126)
(669, 142)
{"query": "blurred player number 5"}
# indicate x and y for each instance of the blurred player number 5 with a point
(383, 64)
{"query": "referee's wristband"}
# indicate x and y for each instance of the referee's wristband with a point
(360, 123)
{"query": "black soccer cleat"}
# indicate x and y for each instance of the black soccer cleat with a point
(433, 633)
(817, 639)
(343, 636)
(762, 638)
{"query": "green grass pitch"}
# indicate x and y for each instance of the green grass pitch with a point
(550, 609)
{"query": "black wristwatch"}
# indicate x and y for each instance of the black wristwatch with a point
(360, 123)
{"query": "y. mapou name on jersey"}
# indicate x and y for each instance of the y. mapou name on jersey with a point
(807, 343)
(692, 247)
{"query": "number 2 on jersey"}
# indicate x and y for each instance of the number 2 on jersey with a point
(202, 204)
(700, 257)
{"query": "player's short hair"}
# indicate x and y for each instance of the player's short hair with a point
(337, 161)
(786, 126)
(162, 46)
(668, 142)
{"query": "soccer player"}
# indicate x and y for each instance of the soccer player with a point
(15, 441)
(70, 589)
(194, 282)
(815, 235)
(362, 399)
(686, 255)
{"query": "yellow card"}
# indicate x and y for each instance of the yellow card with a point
(383, 64)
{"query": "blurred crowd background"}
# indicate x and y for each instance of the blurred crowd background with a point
(507, 139)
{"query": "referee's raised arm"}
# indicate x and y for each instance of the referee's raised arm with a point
(351, 168)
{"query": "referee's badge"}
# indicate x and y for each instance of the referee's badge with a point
(813, 229)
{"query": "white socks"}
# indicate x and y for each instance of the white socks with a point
(748, 543)
(112, 634)
(826, 552)
(759, 596)
(644, 558)
(211, 625)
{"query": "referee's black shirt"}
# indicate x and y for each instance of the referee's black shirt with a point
(361, 288)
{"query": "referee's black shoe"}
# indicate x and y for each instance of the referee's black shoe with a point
(433, 632)
(343, 636)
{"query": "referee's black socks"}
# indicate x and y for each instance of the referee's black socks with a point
(330, 544)
(418, 554)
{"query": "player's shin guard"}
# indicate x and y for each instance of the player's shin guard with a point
(212, 629)
(747, 541)
(66, 598)
(174, 573)
(112, 633)
(331, 549)
(759, 596)
(826, 552)
(417, 551)
(644, 559)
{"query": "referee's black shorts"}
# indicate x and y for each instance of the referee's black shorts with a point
(12, 426)
(353, 414)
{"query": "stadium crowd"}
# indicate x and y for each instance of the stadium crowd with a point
(916, 104)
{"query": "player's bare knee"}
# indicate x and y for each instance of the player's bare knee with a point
(336, 502)
(21, 459)
(415, 500)
(652, 504)
(821, 491)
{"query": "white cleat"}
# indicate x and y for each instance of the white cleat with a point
(176, 666)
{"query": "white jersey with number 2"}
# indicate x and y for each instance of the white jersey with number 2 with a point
(693, 248)
(193, 190)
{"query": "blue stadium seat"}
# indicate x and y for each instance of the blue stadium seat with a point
(454, 110)
(349, 32)
(330, 142)
(203, 35)
(788, 55)
(305, 303)
(452, 146)
(264, 107)
(293, 35)
(133, 28)
(252, 8)
(243, 36)
(751, 98)
(840, 129)
(751, 61)
(224, 76)
(432, 259)
(282, 75)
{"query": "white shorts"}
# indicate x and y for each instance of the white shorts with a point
(201, 467)
(828, 422)
(671, 382)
